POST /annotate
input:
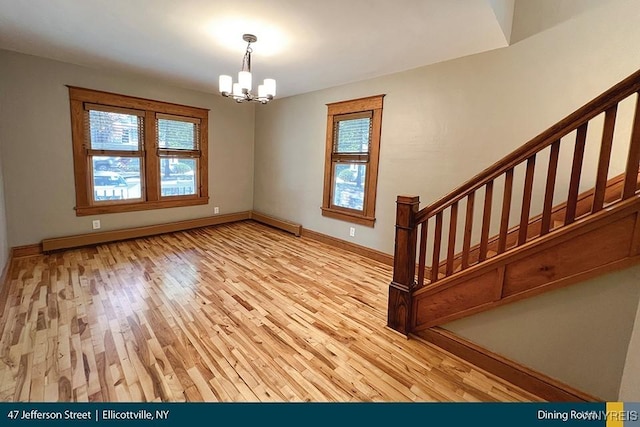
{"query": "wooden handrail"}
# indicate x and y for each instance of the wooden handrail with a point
(567, 125)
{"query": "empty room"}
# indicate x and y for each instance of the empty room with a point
(305, 201)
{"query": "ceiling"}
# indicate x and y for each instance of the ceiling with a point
(304, 44)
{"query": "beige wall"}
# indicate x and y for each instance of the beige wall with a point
(4, 245)
(35, 132)
(630, 384)
(444, 123)
(578, 335)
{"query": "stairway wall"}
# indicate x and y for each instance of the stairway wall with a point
(630, 384)
(578, 335)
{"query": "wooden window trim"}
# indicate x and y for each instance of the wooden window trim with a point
(345, 110)
(82, 98)
(124, 101)
(133, 207)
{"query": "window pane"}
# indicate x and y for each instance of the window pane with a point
(113, 131)
(353, 136)
(124, 165)
(176, 135)
(178, 176)
(122, 184)
(348, 185)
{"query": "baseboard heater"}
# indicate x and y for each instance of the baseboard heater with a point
(132, 233)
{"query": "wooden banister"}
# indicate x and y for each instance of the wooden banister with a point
(570, 123)
(444, 260)
(557, 214)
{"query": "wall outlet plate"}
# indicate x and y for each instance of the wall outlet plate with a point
(96, 224)
(352, 231)
(216, 210)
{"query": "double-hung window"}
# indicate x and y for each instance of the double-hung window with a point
(351, 160)
(135, 154)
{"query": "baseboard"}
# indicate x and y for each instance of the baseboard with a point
(298, 230)
(288, 226)
(348, 246)
(26, 250)
(532, 381)
(132, 233)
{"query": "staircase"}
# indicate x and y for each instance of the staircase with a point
(480, 247)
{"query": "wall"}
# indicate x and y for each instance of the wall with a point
(36, 134)
(630, 384)
(444, 123)
(579, 335)
(4, 245)
(483, 106)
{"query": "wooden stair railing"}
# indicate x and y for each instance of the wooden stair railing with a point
(584, 206)
(414, 241)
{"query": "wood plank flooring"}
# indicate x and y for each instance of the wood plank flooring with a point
(238, 312)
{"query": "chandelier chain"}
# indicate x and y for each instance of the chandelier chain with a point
(246, 60)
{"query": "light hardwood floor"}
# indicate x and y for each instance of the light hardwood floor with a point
(238, 312)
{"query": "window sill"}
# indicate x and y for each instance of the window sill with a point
(349, 217)
(141, 206)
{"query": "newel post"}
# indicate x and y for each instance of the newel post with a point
(404, 265)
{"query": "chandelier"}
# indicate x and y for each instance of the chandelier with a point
(241, 91)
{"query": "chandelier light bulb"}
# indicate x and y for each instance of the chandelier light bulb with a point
(270, 86)
(237, 90)
(225, 84)
(244, 79)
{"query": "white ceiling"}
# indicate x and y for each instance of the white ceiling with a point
(304, 44)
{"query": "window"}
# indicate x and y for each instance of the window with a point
(178, 151)
(134, 154)
(351, 160)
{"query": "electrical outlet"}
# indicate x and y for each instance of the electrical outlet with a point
(352, 231)
(96, 224)
(216, 210)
